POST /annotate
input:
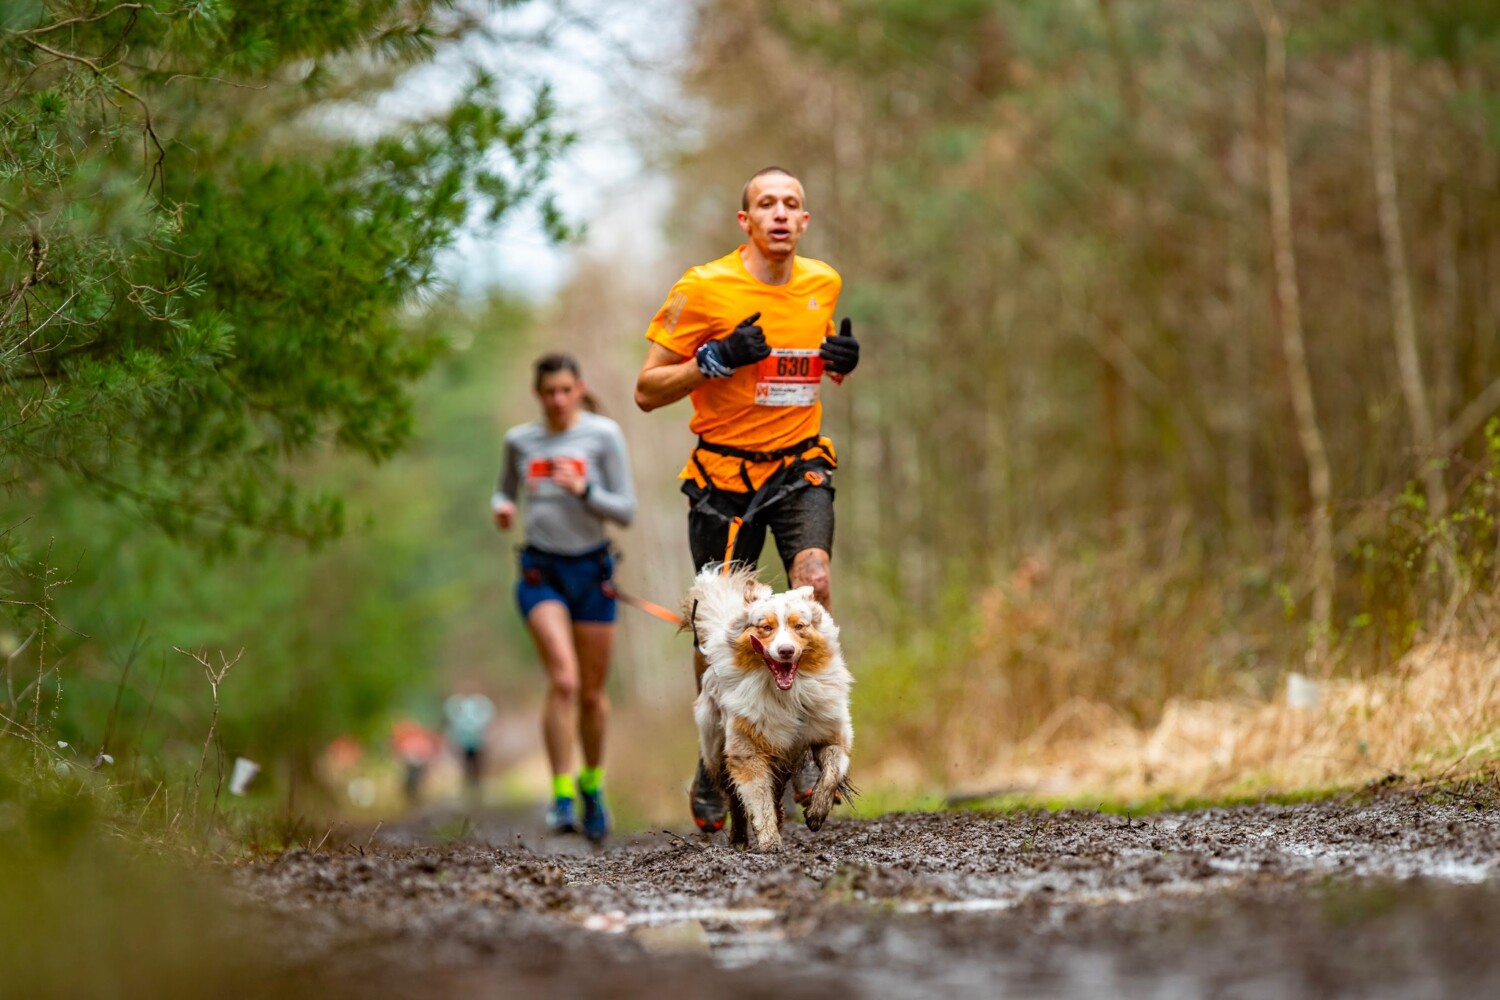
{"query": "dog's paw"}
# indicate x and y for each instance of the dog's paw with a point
(815, 820)
(820, 803)
(768, 845)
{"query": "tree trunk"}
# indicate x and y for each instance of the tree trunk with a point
(1112, 334)
(1403, 315)
(1289, 317)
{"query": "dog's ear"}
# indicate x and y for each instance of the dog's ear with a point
(804, 593)
(817, 613)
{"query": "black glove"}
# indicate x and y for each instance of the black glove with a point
(841, 354)
(745, 346)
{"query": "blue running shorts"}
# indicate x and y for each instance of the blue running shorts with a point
(583, 583)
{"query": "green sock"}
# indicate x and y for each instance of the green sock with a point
(564, 787)
(591, 779)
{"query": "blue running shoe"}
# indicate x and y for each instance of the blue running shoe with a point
(561, 818)
(595, 816)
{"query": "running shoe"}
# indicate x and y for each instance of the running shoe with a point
(561, 818)
(804, 777)
(595, 816)
(706, 802)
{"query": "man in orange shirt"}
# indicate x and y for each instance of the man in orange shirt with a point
(755, 384)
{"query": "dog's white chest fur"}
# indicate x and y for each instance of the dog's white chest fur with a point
(816, 705)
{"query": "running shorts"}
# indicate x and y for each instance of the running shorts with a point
(583, 583)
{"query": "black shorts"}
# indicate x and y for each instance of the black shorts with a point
(801, 520)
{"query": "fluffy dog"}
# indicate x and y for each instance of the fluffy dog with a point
(776, 687)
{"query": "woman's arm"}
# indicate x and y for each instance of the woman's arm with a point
(613, 496)
(503, 502)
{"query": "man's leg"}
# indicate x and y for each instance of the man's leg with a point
(705, 801)
(803, 526)
(708, 537)
(810, 568)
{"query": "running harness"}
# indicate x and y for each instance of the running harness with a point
(797, 472)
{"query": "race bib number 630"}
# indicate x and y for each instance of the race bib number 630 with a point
(788, 377)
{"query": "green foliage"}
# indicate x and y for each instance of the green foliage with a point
(175, 323)
(217, 292)
(1411, 558)
(336, 641)
(1451, 30)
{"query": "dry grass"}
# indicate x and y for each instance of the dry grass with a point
(1437, 715)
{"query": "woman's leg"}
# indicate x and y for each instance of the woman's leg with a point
(594, 642)
(552, 628)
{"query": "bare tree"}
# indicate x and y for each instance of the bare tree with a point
(1289, 317)
(1403, 315)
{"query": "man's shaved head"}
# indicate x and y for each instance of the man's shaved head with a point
(745, 194)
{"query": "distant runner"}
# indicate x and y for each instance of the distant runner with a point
(571, 468)
(749, 336)
(468, 717)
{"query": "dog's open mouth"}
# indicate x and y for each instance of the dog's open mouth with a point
(781, 672)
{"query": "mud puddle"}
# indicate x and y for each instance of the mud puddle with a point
(1399, 896)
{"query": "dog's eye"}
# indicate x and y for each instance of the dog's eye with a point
(800, 627)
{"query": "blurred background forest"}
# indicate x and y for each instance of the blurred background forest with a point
(1171, 465)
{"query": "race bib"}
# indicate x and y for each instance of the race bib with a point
(539, 471)
(788, 378)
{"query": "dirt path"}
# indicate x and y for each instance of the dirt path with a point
(1399, 896)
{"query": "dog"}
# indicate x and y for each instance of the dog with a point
(776, 688)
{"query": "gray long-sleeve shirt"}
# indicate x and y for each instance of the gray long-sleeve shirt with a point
(556, 520)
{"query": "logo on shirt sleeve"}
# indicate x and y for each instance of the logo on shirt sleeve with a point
(672, 311)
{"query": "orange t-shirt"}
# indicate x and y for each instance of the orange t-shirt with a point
(764, 407)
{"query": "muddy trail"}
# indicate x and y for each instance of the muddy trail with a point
(1396, 893)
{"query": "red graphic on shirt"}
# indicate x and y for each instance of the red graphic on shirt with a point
(540, 470)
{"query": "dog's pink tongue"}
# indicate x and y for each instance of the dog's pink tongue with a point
(783, 673)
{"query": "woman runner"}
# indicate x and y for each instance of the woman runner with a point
(571, 468)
